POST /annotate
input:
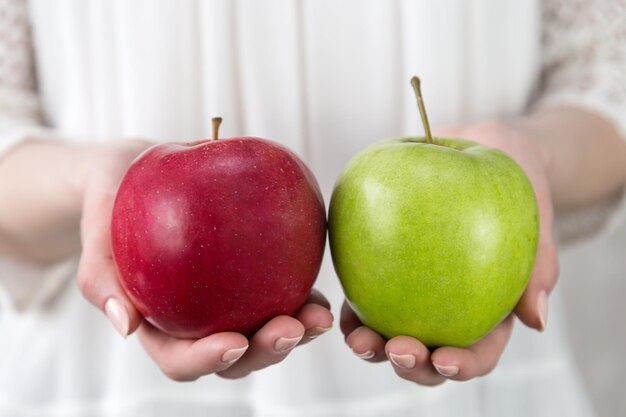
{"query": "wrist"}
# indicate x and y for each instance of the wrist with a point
(534, 139)
(584, 155)
(107, 163)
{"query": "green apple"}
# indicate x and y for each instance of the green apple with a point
(433, 238)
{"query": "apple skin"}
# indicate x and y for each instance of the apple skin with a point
(216, 236)
(434, 241)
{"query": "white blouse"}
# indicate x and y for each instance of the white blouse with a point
(325, 78)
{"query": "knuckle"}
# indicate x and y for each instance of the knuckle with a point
(271, 361)
(489, 369)
(87, 285)
(489, 366)
(422, 379)
(350, 340)
(176, 374)
(433, 382)
(555, 270)
(231, 375)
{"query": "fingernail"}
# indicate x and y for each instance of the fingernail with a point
(368, 354)
(403, 361)
(318, 331)
(118, 315)
(232, 355)
(542, 307)
(284, 344)
(448, 370)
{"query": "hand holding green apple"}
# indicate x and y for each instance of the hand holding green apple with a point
(434, 244)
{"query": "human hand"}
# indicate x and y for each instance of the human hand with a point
(409, 358)
(227, 354)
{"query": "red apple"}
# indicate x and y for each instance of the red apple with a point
(217, 235)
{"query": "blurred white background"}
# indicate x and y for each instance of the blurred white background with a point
(594, 282)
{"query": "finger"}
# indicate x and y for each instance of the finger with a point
(367, 344)
(96, 276)
(477, 360)
(532, 309)
(268, 346)
(316, 320)
(187, 360)
(410, 360)
(349, 321)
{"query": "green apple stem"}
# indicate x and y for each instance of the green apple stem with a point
(216, 121)
(415, 82)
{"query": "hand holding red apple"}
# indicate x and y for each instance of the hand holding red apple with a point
(217, 235)
(226, 353)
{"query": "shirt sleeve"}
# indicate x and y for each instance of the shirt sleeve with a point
(584, 57)
(584, 65)
(18, 98)
(20, 112)
(22, 285)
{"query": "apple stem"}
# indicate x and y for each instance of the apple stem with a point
(415, 82)
(217, 121)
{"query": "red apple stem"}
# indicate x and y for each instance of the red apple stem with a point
(216, 121)
(415, 82)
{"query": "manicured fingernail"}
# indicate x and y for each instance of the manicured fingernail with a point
(232, 355)
(284, 344)
(368, 354)
(447, 370)
(317, 331)
(542, 307)
(118, 315)
(403, 361)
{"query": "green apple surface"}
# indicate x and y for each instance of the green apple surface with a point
(433, 240)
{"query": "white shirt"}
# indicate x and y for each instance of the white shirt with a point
(323, 77)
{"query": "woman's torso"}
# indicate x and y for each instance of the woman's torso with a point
(326, 79)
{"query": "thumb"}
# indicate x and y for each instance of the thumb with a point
(98, 281)
(532, 309)
(97, 277)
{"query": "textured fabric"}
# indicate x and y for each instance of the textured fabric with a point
(585, 57)
(584, 64)
(19, 107)
(323, 77)
(18, 99)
